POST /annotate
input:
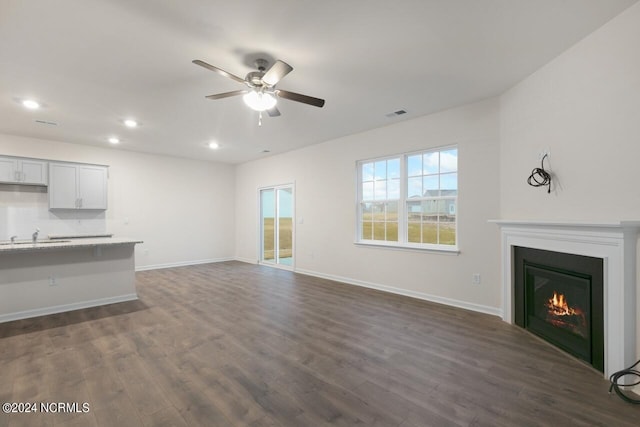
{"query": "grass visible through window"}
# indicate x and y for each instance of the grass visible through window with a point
(286, 236)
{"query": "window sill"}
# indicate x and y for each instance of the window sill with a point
(453, 250)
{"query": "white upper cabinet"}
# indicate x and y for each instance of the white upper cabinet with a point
(33, 172)
(8, 168)
(15, 170)
(92, 187)
(77, 186)
(63, 186)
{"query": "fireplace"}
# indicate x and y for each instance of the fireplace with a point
(613, 242)
(559, 297)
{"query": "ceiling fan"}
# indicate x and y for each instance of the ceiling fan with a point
(261, 94)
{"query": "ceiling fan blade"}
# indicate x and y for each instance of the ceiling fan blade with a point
(273, 112)
(276, 72)
(218, 70)
(226, 94)
(316, 102)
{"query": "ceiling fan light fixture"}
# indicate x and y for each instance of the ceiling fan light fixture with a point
(259, 101)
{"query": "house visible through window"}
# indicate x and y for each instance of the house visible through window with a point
(409, 200)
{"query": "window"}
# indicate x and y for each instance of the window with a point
(380, 195)
(409, 200)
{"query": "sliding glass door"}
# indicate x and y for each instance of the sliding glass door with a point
(276, 225)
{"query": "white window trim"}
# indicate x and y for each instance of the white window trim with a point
(402, 244)
(410, 247)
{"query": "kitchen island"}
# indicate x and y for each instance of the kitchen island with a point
(60, 275)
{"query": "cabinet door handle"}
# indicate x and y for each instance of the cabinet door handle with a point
(80, 201)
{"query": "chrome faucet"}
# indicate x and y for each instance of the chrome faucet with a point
(35, 235)
(13, 239)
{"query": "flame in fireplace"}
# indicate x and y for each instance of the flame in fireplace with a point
(558, 306)
(561, 314)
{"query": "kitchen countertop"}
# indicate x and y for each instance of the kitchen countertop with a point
(78, 236)
(58, 244)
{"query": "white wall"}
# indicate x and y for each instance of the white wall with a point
(585, 107)
(325, 185)
(182, 209)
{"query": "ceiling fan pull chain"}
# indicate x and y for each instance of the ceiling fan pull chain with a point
(260, 118)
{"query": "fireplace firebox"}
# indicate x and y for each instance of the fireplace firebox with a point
(559, 297)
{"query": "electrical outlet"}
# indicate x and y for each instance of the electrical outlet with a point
(53, 281)
(475, 279)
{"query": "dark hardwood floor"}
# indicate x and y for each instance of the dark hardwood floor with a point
(234, 344)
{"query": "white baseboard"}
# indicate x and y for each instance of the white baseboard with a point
(399, 291)
(181, 264)
(247, 260)
(66, 307)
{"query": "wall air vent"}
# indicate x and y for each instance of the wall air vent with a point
(44, 122)
(395, 113)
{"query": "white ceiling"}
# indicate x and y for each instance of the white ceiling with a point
(93, 63)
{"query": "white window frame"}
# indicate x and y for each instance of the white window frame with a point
(402, 201)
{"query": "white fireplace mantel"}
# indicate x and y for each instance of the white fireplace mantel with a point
(614, 242)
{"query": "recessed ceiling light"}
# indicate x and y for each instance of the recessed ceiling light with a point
(130, 123)
(214, 145)
(31, 104)
(114, 140)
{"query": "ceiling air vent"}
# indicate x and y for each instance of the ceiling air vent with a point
(396, 113)
(44, 122)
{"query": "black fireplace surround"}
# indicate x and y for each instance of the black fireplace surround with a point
(559, 297)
